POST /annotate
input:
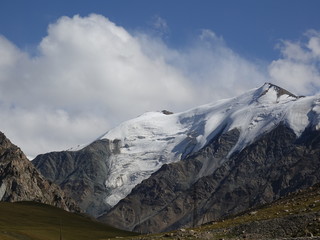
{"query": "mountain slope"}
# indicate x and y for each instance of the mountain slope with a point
(81, 173)
(176, 196)
(20, 181)
(141, 146)
(296, 216)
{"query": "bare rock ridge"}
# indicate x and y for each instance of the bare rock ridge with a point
(21, 181)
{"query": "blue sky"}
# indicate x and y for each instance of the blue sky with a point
(249, 27)
(71, 70)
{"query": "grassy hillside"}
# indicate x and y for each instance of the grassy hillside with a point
(35, 221)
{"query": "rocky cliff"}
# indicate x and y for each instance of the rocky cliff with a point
(21, 181)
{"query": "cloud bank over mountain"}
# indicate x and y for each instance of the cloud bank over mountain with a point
(89, 74)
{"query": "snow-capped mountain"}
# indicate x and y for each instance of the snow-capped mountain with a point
(251, 150)
(133, 151)
(153, 139)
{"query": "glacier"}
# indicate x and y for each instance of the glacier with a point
(154, 138)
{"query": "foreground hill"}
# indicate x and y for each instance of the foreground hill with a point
(34, 221)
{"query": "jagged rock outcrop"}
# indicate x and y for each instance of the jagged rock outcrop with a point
(275, 164)
(20, 180)
(81, 173)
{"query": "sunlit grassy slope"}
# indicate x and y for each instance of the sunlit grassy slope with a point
(35, 221)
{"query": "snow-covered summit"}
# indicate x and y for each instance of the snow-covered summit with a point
(154, 138)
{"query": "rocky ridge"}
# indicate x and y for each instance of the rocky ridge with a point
(21, 181)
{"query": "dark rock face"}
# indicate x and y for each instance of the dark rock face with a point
(81, 173)
(166, 112)
(20, 181)
(188, 193)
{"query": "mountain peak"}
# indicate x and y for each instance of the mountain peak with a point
(280, 91)
(271, 93)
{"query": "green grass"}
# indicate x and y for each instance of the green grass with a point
(36, 221)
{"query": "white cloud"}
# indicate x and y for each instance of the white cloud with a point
(299, 67)
(314, 43)
(214, 70)
(90, 74)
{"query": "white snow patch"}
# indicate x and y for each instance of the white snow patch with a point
(297, 114)
(2, 190)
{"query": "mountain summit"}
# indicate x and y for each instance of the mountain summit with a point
(280, 91)
(106, 171)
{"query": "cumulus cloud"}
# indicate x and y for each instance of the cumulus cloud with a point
(298, 68)
(90, 74)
